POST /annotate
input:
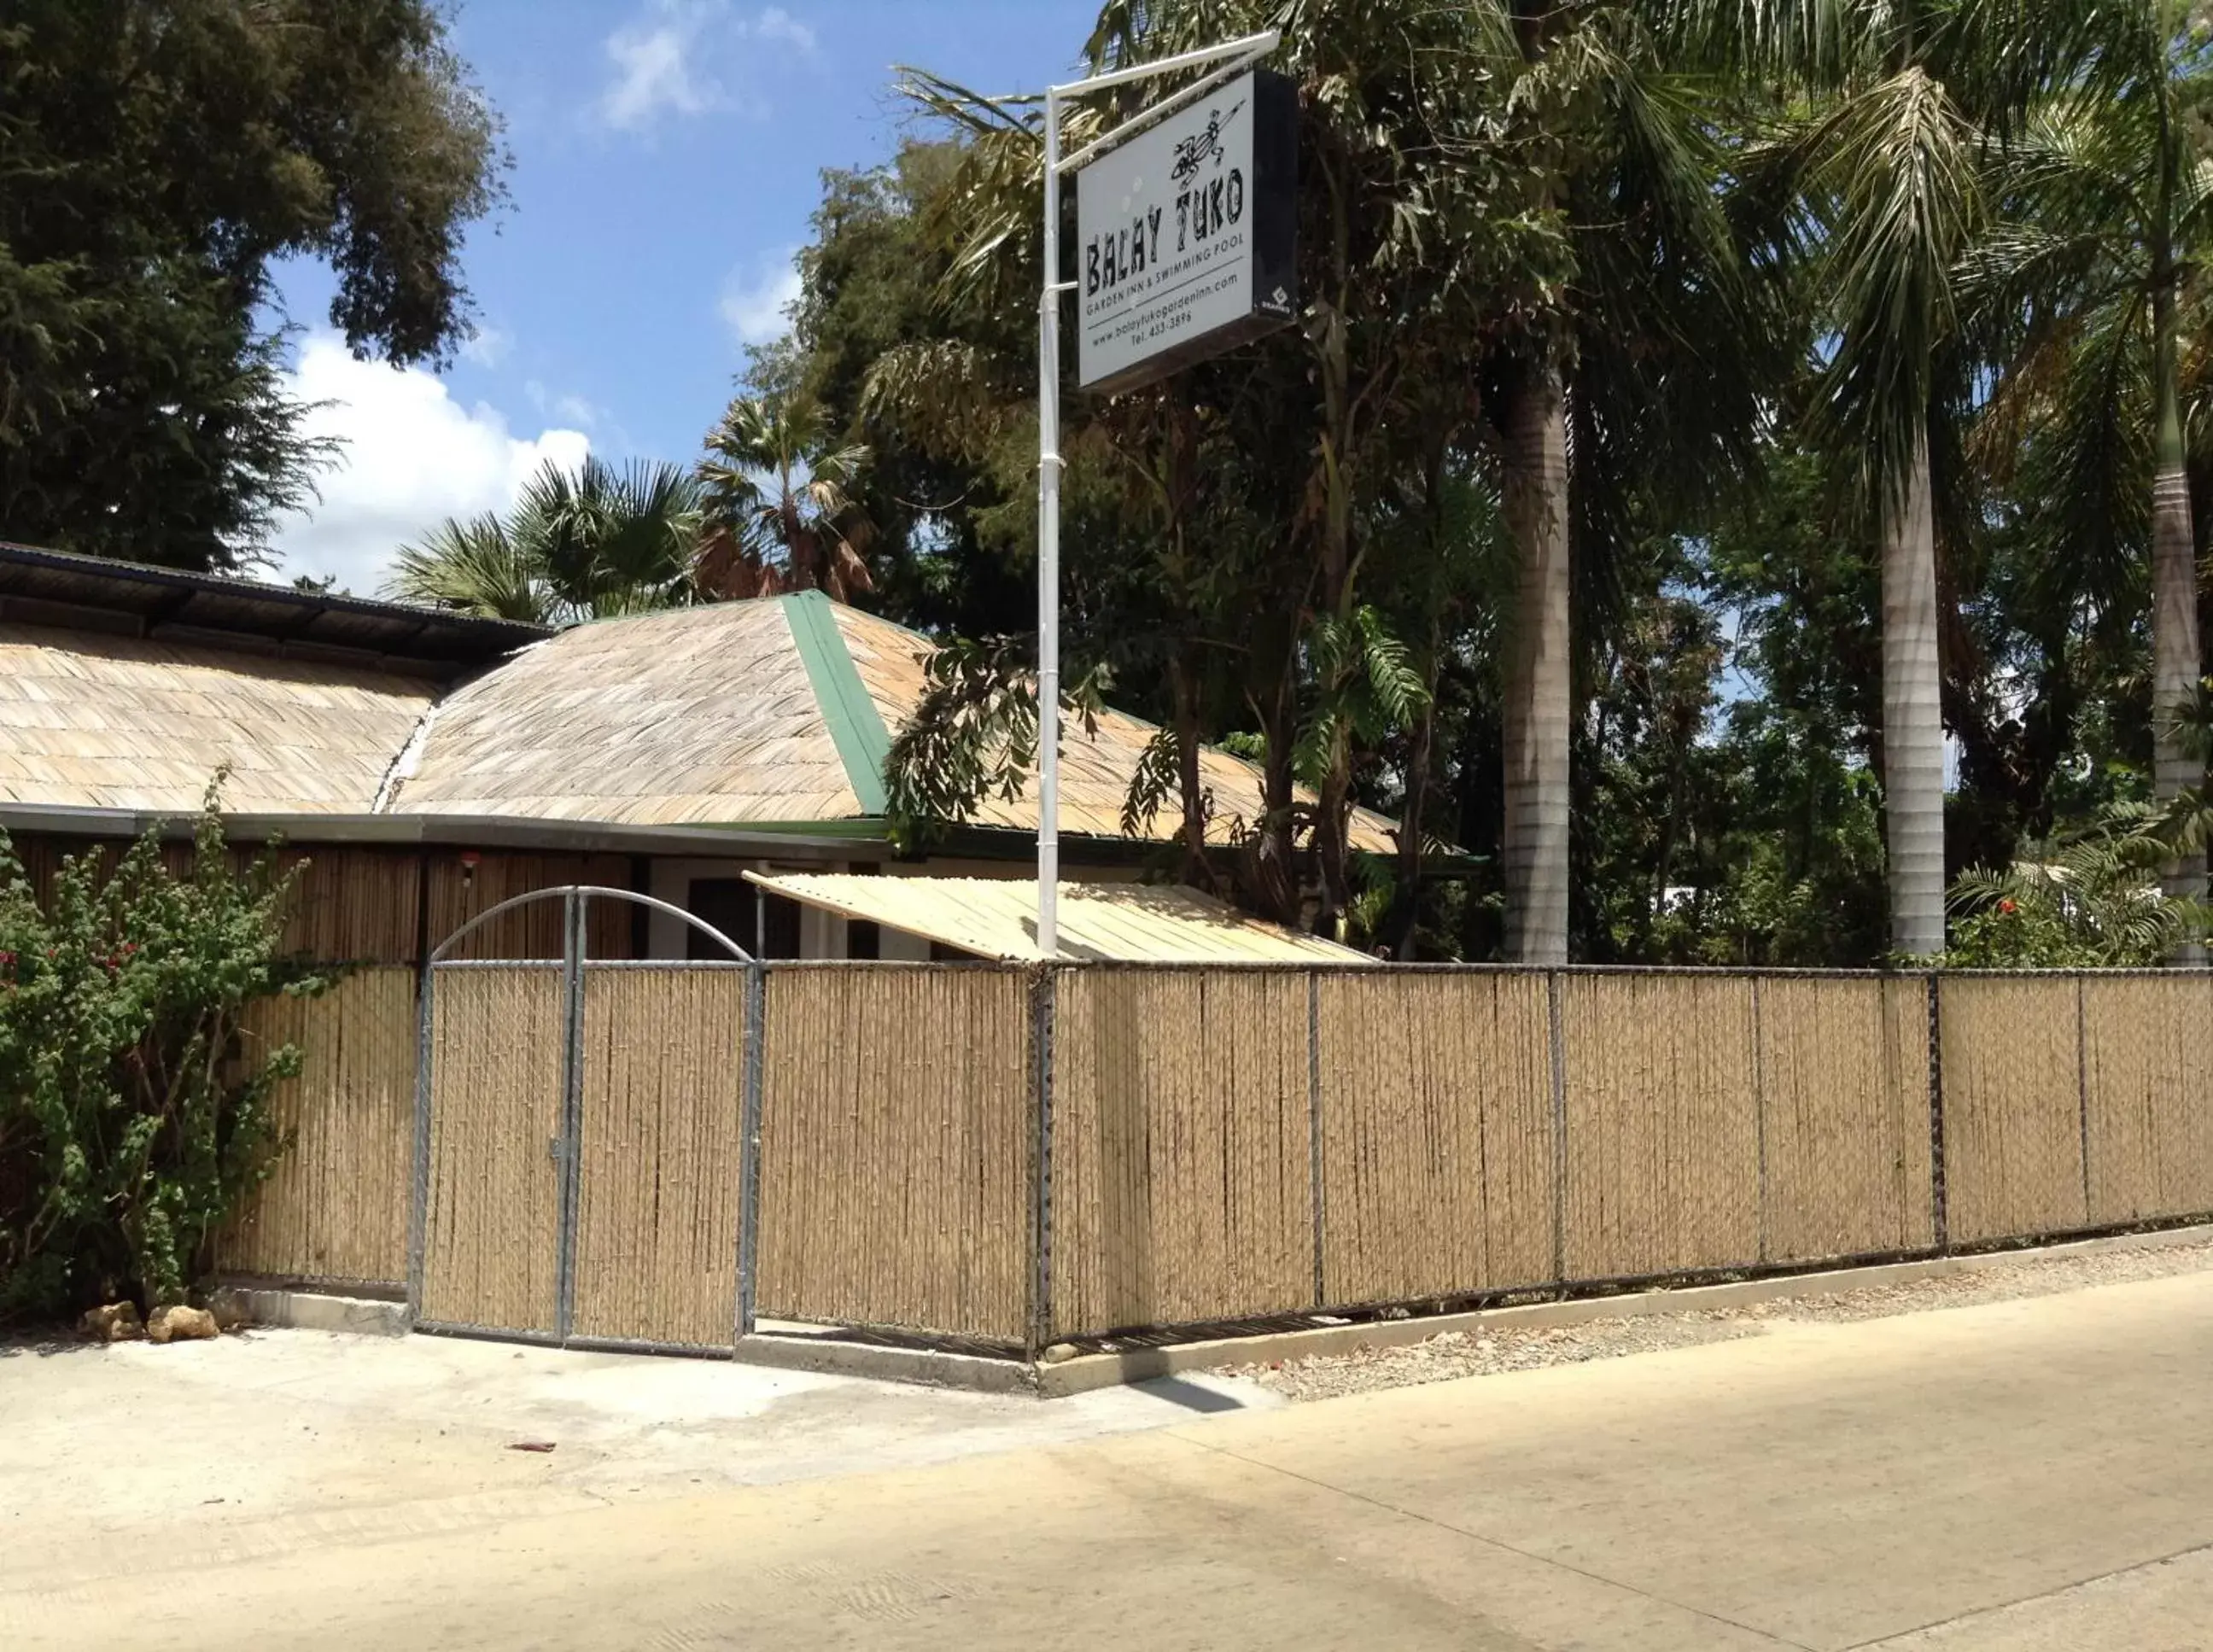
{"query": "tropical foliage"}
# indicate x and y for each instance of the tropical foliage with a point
(1739, 469)
(159, 157)
(1714, 496)
(133, 1119)
(589, 544)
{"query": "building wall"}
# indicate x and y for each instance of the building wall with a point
(368, 905)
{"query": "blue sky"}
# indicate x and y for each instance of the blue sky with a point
(667, 156)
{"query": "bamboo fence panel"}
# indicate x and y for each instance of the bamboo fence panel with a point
(1844, 1082)
(1662, 1125)
(2148, 1072)
(334, 1206)
(1182, 1146)
(895, 1148)
(659, 1170)
(492, 1234)
(2012, 1107)
(1436, 1134)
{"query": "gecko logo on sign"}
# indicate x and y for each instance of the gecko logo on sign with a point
(1187, 235)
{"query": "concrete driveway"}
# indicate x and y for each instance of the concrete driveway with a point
(2032, 1474)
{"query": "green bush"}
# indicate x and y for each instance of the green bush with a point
(2091, 902)
(131, 1120)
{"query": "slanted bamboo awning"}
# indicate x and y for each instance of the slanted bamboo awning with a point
(1100, 922)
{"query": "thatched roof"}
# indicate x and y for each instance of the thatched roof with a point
(1096, 766)
(696, 716)
(776, 709)
(99, 722)
(773, 712)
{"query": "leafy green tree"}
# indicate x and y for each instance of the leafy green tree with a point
(590, 544)
(1636, 381)
(1906, 101)
(2092, 901)
(158, 156)
(133, 1120)
(2104, 223)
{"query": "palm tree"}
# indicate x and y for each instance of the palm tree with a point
(586, 543)
(777, 511)
(2108, 211)
(1644, 385)
(1907, 97)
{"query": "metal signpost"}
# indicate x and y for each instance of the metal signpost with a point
(1186, 225)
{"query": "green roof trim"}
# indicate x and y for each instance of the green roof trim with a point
(856, 728)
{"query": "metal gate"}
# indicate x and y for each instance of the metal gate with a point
(586, 1164)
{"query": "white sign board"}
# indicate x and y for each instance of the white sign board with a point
(1184, 234)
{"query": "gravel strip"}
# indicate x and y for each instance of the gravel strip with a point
(1486, 1352)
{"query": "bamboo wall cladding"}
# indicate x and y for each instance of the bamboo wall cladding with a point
(663, 1102)
(491, 1240)
(1181, 1148)
(1662, 1125)
(458, 892)
(1436, 1118)
(1844, 1084)
(2147, 1073)
(895, 1148)
(335, 1206)
(355, 905)
(2013, 1108)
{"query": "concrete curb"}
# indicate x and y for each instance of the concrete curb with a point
(828, 1353)
(1086, 1372)
(312, 1310)
(931, 1367)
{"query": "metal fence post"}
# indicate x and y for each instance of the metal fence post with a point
(1043, 1006)
(749, 1148)
(1939, 1218)
(572, 1107)
(1560, 1131)
(1314, 1184)
(419, 1191)
(1759, 1121)
(2083, 1085)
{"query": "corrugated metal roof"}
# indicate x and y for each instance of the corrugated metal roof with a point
(1100, 922)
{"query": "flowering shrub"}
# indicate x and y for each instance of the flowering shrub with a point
(131, 1122)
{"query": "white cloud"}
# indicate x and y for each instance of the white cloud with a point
(665, 59)
(568, 409)
(778, 24)
(755, 304)
(486, 346)
(656, 60)
(412, 456)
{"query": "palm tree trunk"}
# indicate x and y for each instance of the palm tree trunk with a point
(1534, 850)
(2176, 664)
(1912, 723)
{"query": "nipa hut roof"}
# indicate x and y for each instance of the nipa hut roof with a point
(777, 712)
(777, 709)
(92, 721)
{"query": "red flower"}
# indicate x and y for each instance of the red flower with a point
(2008, 907)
